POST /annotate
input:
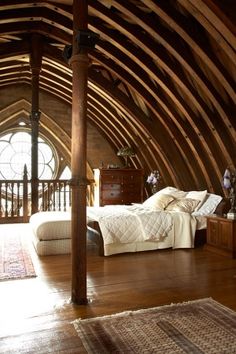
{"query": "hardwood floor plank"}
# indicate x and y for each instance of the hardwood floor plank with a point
(36, 313)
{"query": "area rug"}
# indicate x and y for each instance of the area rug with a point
(15, 260)
(201, 326)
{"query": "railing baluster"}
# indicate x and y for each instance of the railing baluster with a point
(47, 196)
(18, 198)
(12, 199)
(59, 197)
(43, 197)
(54, 194)
(6, 202)
(64, 195)
(1, 214)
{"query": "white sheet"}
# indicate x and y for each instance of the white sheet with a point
(132, 224)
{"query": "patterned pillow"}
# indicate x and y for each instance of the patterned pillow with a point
(198, 195)
(186, 205)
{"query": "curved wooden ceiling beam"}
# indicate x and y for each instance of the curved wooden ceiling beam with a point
(48, 87)
(174, 87)
(180, 26)
(219, 173)
(181, 81)
(157, 134)
(120, 98)
(51, 55)
(216, 17)
(120, 127)
(203, 161)
(212, 23)
(205, 129)
(183, 152)
(57, 35)
(169, 43)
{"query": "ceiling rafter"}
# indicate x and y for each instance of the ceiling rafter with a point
(153, 81)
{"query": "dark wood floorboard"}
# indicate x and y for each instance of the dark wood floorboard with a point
(36, 313)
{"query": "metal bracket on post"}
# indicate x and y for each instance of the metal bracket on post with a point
(86, 39)
(35, 116)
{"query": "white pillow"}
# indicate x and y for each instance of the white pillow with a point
(201, 196)
(158, 201)
(210, 204)
(174, 192)
(186, 205)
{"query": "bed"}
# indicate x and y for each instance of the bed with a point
(169, 219)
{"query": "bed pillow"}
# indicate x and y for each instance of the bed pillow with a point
(210, 204)
(197, 195)
(186, 205)
(174, 192)
(158, 201)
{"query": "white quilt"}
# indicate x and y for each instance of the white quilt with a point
(127, 224)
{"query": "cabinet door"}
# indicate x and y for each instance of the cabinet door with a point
(212, 232)
(226, 234)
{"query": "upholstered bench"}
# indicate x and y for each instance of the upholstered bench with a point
(51, 232)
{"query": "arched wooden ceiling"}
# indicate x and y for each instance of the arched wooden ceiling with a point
(161, 78)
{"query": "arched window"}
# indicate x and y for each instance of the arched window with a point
(66, 174)
(15, 152)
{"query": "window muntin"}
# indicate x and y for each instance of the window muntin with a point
(15, 152)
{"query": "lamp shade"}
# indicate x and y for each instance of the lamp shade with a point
(126, 151)
(227, 179)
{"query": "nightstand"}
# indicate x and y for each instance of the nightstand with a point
(221, 235)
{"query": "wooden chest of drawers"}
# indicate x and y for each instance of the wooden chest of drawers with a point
(221, 236)
(118, 186)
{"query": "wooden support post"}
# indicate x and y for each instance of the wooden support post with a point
(79, 64)
(35, 63)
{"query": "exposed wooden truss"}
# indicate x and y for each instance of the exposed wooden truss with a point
(162, 77)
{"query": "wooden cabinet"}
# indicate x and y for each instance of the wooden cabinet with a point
(118, 186)
(221, 235)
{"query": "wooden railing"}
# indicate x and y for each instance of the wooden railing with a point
(54, 195)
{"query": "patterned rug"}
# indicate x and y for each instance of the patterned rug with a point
(15, 260)
(201, 326)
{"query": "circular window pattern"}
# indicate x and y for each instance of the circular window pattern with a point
(15, 153)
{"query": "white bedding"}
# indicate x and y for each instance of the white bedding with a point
(124, 229)
(124, 224)
(132, 226)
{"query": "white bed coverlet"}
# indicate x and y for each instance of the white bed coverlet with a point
(127, 224)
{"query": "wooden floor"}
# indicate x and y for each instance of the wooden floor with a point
(36, 314)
